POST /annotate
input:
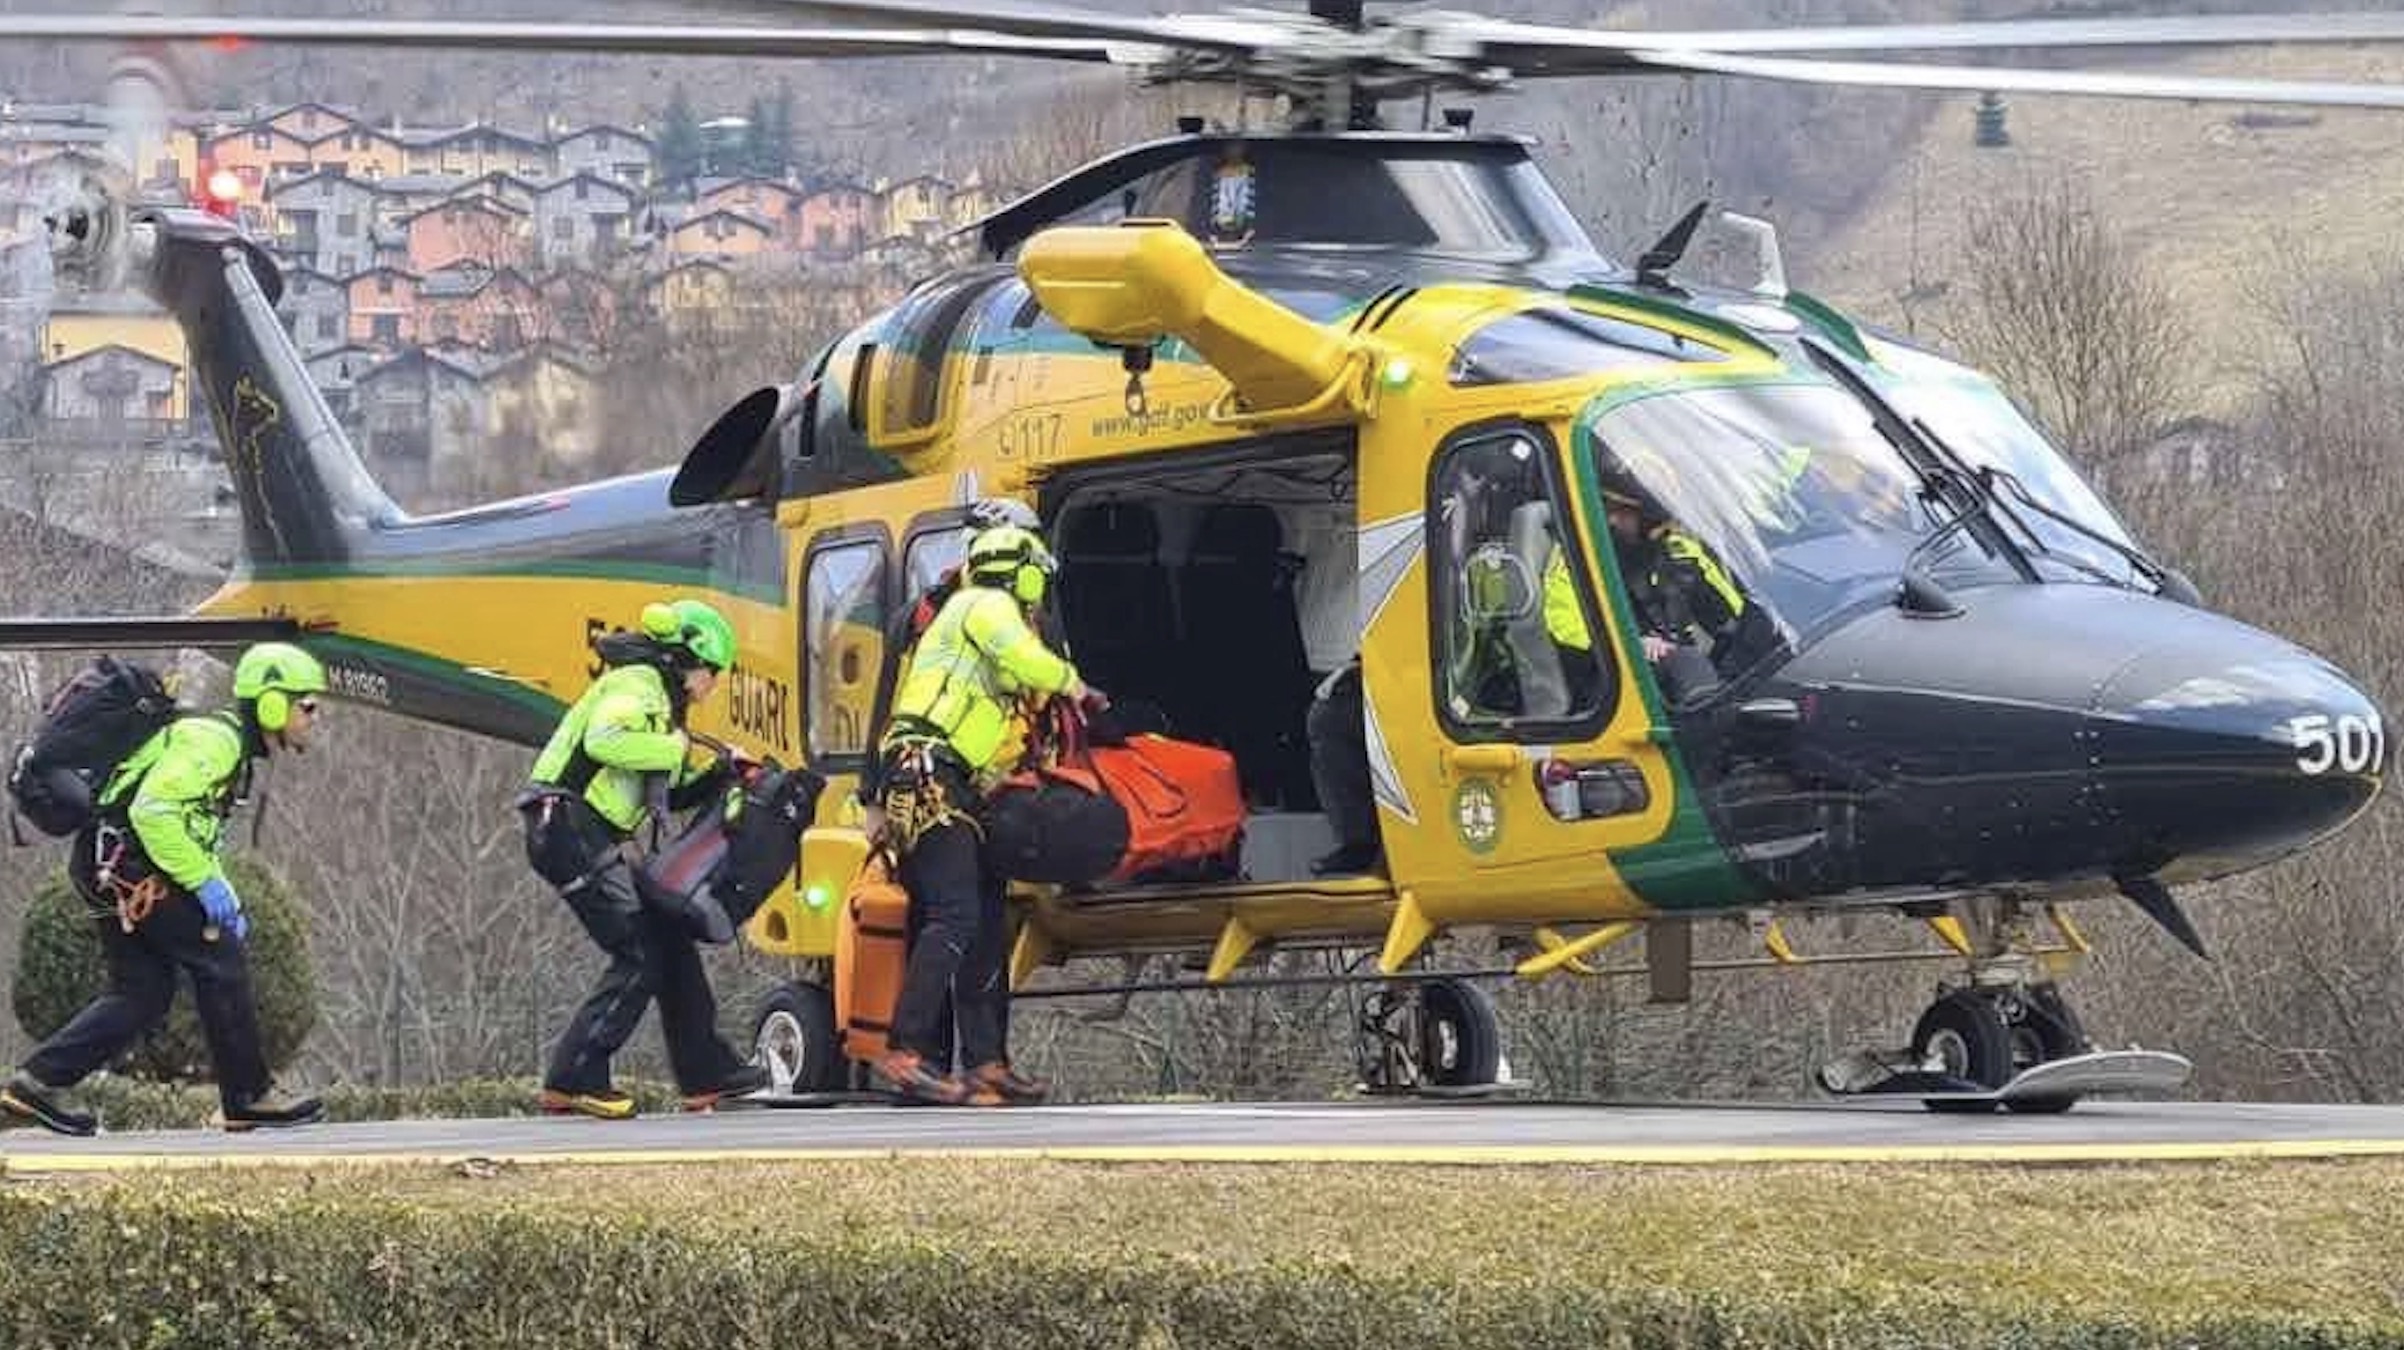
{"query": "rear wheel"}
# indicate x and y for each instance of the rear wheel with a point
(794, 1040)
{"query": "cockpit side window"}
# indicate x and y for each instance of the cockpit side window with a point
(1515, 624)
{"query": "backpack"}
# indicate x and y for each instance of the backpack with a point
(90, 725)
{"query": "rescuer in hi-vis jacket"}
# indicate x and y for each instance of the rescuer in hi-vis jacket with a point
(618, 760)
(941, 755)
(148, 866)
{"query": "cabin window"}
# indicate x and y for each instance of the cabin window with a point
(843, 646)
(1515, 632)
(910, 360)
(939, 545)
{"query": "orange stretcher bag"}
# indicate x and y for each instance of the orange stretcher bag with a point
(872, 949)
(1184, 803)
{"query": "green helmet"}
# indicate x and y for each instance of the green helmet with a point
(694, 627)
(278, 666)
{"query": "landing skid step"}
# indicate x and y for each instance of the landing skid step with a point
(2071, 1076)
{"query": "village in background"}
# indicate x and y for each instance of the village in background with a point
(453, 290)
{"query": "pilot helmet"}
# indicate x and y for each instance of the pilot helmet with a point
(1628, 479)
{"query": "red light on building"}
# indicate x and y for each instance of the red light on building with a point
(220, 192)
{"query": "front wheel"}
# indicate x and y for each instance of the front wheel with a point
(2042, 1029)
(1963, 1036)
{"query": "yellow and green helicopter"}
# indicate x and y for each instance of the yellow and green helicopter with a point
(1283, 399)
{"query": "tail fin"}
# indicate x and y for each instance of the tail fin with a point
(304, 495)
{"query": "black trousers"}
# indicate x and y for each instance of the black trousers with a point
(142, 975)
(652, 956)
(957, 951)
(1340, 760)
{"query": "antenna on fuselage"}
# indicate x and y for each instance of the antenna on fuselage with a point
(1770, 283)
(1653, 268)
(2160, 906)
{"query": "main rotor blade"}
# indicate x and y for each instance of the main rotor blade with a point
(514, 35)
(1510, 43)
(2007, 79)
(1237, 34)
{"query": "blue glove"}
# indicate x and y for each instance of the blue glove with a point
(239, 928)
(218, 901)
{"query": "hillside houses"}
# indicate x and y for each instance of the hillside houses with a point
(448, 283)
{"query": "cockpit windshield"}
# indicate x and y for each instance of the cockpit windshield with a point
(1790, 488)
(1973, 417)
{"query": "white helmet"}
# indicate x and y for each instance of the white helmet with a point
(993, 512)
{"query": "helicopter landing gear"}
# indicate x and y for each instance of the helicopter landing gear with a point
(1433, 1038)
(1989, 1037)
(795, 1040)
(2008, 1039)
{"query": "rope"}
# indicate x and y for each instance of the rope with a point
(916, 800)
(133, 901)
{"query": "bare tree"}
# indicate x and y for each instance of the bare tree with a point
(2065, 313)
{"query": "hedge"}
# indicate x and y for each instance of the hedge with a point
(934, 1253)
(60, 968)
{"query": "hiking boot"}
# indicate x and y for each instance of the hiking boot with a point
(29, 1099)
(1012, 1086)
(909, 1075)
(743, 1082)
(599, 1103)
(273, 1111)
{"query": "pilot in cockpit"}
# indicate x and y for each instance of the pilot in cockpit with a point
(1688, 608)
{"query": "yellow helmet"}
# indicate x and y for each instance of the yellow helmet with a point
(1012, 559)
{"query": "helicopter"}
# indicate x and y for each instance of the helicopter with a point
(1281, 398)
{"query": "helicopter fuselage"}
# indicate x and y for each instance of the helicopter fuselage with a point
(1939, 689)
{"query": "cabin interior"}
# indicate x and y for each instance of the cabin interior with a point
(1215, 599)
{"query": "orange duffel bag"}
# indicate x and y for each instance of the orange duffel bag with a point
(1185, 807)
(872, 949)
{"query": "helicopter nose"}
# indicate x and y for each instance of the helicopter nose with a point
(2229, 748)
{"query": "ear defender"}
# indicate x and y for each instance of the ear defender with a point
(275, 709)
(1029, 583)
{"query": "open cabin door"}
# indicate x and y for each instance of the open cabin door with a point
(1512, 749)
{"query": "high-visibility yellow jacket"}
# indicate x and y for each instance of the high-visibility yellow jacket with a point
(977, 659)
(176, 790)
(621, 730)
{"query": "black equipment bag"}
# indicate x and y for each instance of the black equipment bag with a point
(90, 725)
(1055, 826)
(676, 881)
(566, 840)
(715, 875)
(764, 842)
